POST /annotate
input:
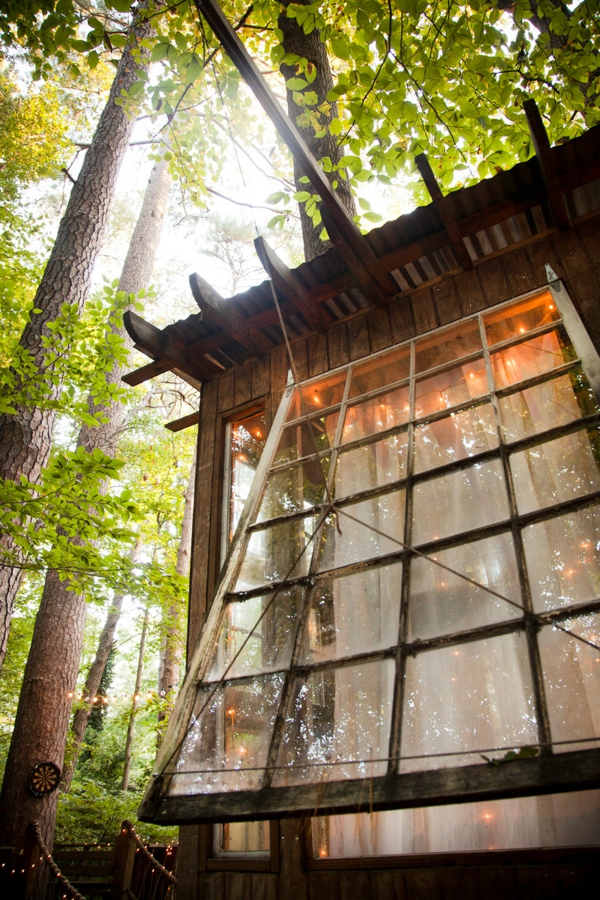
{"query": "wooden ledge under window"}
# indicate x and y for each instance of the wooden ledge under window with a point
(518, 857)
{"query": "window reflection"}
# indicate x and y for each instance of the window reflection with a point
(450, 388)
(246, 441)
(531, 358)
(465, 699)
(450, 344)
(338, 725)
(454, 437)
(377, 414)
(519, 318)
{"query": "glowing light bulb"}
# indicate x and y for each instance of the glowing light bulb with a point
(322, 852)
(550, 306)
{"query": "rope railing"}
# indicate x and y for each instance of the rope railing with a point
(67, 889)
(132, 870)
(141, 847)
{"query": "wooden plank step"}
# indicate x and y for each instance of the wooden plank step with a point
(91, 871)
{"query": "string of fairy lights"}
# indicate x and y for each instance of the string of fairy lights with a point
(101, 700)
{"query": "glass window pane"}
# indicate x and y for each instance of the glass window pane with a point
(359, 540)
(531, 358)
(459, 501)
(242, 839)
(226, 745)
(520, 318)
(558, 470)
(261, 630)
(371, 466)
(442, 603)
(378, 372)
(353, 614)
(547, 405)
(465, 699)
(450, 388)
(551, 820)
(271, 553)
(247, 444)
(318, 395)
(293, 489)
(572, 680)
(446, 346)
(377, 414)
(304, 439)
(562, 557)
(456, 436)
(338, 716)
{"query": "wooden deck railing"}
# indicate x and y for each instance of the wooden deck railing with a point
(127, 871)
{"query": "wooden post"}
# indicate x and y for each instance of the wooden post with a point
(26, 865)
(543, 152)
(123, 860)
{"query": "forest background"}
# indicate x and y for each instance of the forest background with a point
(371, 85)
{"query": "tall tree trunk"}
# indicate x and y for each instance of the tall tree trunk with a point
(52, 667)
(309, 46)
(26, 436)
(174, 638)
(134, 704)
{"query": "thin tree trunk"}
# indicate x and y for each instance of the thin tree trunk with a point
(51, 673)
(134, 704)
(310, 47)
(174, 639)
(26, 436)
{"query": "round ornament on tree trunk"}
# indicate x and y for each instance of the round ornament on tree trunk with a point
(43, 779)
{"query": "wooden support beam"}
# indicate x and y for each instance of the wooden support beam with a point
(224, 315)
(441, 204)
(543, 152)
(138, 376)
(161, 344)
(544, 774)
(184, 422)
(365, 266)
(289, 284)
(346, 226)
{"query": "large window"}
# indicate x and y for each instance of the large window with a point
(421, 535)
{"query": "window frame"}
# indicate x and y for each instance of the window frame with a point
(544, 774)
(210, 862)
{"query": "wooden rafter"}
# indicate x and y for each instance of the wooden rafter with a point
(151, 370)
(441, 204)
(319, 293)
(543, 152)
(288, 283)
(379, 284)
(184, 422)
(224, 315)
(162, 345)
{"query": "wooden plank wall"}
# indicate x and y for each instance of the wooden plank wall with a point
(575, 257)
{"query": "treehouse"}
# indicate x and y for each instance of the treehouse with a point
(394, 616)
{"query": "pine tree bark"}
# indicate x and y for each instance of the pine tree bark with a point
(174, 639)
(134, 704)
(309, 46)
(25, 437)
(51, 672)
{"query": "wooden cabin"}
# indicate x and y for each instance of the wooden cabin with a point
(394, 614)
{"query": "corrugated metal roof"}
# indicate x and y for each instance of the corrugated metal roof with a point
(415, 248)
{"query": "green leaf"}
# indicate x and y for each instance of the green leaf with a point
(296, 84)
(277, 197)
(302, 196)
(159, 52)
